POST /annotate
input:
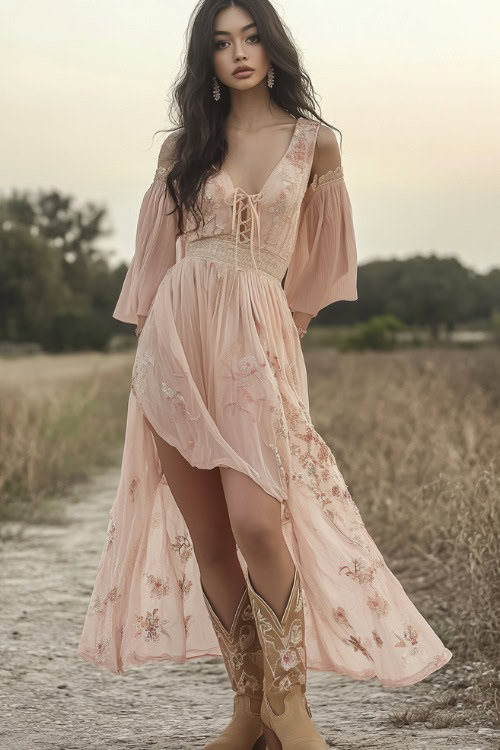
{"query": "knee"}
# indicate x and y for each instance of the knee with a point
(212, 551)
(256, 536)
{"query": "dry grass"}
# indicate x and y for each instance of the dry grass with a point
(61, 418)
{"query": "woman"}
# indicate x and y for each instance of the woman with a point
(231, 510)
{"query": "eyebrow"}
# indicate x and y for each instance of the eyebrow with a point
(243, 28)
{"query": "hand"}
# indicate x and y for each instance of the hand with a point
(141, 319)
(302, 321)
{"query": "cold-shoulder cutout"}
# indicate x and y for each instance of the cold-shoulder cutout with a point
(326, 158)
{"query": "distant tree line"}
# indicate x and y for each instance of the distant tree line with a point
(58, 289)
(421, 292)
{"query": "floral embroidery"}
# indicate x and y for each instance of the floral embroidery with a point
(112, 596)
(185, 585)
(361, 572)
(378, 605)
(111, 531)
(319, 466)
(340, 616)
(281, 468)
(410, 635)
(358, 646)
(244, 375)
(276, 209)
(240, 647)
(132, 487)
(179, 403)
(289, 658)
(155, 521)
(149, 626)
(98, 605)
(279, 424)
(283, 644)
(294, 415)
(139, 371)
(102, 649)
(187, 624)
(158, 586)
(183, 546)
(378, 640)
(408, 641)
(277, 368)
(210, 206)
(298, 152)
(248, 366)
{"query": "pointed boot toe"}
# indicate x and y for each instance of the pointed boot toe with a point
(244, 731)
(294, 728)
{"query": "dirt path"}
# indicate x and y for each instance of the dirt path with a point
(49, 698)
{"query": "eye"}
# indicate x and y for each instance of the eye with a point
(254, 36)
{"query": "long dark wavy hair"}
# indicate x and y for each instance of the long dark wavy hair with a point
(200, 143)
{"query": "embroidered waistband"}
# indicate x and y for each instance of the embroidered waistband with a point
(225, 251)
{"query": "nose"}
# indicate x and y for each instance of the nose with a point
(240, 55)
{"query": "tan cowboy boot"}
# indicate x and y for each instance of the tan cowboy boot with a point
(243, 660)
(285, 712)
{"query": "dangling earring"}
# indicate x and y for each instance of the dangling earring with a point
(270, 76)
(216, 88)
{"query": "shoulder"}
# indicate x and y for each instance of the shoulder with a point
(326, 140)
(326, 152)
(167, 151)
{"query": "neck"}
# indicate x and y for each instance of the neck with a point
(252, 109)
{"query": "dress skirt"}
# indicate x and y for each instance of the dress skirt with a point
(219, 373)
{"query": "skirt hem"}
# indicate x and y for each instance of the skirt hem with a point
(368, 674)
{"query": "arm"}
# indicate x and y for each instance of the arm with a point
(155, 245)
(323, 267)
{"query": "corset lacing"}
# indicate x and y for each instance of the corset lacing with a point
(240, 200)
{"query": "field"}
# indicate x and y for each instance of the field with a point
(416, 435)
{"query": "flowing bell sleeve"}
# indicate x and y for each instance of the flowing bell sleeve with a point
(323, 266)
(155, 251)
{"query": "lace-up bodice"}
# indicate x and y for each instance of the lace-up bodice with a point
(241, 202)
(265, 222)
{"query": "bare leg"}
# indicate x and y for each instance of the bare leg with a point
(199, 494)
(255, 519)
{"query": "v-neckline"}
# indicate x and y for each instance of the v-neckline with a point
(264, 186)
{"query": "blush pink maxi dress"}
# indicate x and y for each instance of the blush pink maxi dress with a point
(219, 373)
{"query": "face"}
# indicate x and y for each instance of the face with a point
(236, 42)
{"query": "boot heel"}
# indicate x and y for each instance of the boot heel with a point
(272, 739)
(260, 744)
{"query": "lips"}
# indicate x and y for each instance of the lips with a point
(241, 69)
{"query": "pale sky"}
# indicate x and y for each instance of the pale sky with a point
(413, 86)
